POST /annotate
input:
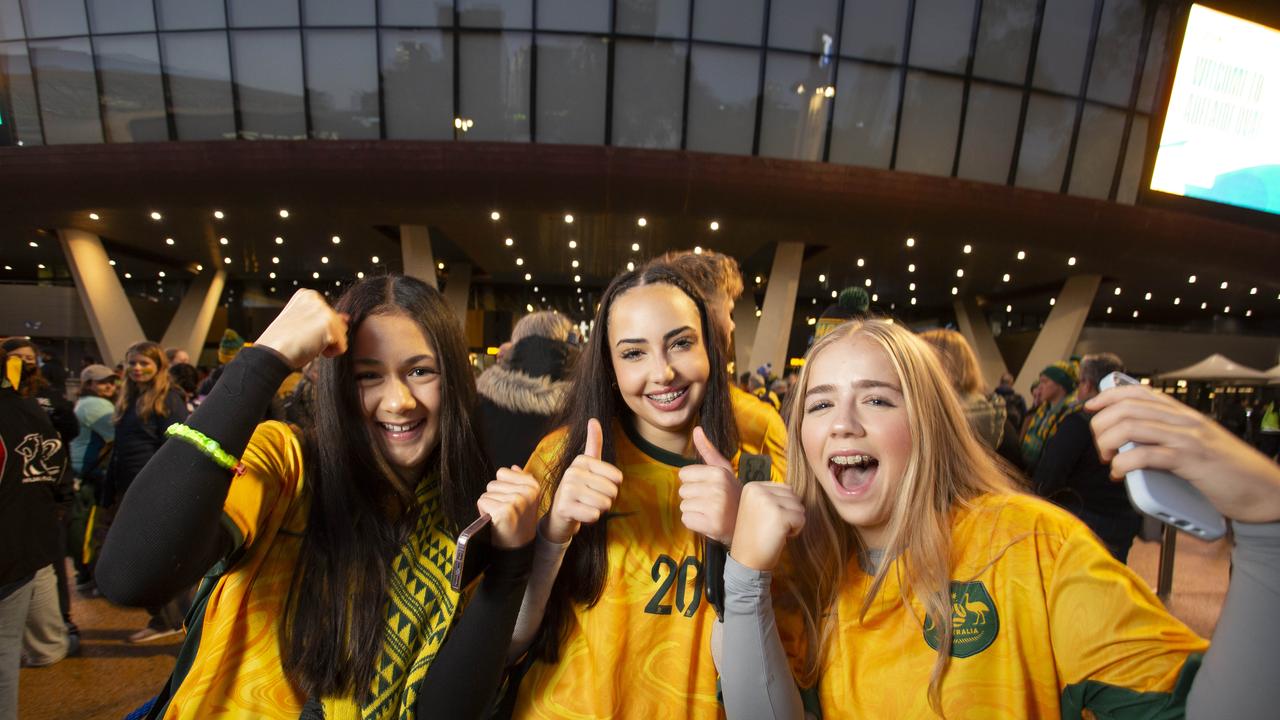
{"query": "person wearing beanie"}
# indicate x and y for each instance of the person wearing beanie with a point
(852, 303)
(1056, 390)
(230, 344)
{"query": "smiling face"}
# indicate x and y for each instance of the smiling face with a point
(141, 368)
(398, 379)
(660, 361)
(856, 433)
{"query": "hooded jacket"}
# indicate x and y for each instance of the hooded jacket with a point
(519, 399)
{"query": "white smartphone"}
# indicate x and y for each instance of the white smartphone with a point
(1165, 496)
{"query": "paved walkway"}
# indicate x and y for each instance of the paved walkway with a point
(110, 677)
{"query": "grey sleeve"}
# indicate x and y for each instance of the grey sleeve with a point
(1237, 678)
(755, 678)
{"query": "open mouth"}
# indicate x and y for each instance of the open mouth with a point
(405, 431)
(853, 472)
(668, 400)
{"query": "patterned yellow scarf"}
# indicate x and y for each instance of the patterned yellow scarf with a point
(420, 608)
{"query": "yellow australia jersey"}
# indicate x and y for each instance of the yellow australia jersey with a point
(1045, 622)
(760, 431)
(643, 651)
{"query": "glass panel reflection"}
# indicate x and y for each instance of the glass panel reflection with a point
(11, 21)
(268, 76)
(1064, 41)
(731, 21)
(495, 13)
(15, 68)
(866, 106)
(1131, 177)
(797, 99)
(930, 124)
(1045, 138)
(116, 16)
(581, 15)
(262, 13)
(338, 12)
(990, 129)
(199, 71)
(190, 14)
(663, 18)
(722, 99)
(1094, 163)
(940, 34)
(342, 84)
(132, 96)
(648, 94)
(571, 89)
(416, 12)
(1155, 61)
(494, 86)
(1115, 56)
(68, 91)
(808, 25)
(417, 84)
(873, 30)
(1004, 39)
(54, 18)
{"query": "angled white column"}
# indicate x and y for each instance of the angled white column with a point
(1057, 339)
(190, 325)
(774, 328)
(458, 289)
(744, 332)
(975, 328)
(415, 251)
(115, 326)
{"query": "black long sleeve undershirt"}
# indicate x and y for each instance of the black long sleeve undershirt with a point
(168, 532)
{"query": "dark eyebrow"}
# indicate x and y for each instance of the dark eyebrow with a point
(670, 334)
(860, 385)
(410, 361)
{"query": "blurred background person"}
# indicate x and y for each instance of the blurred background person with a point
(90, 451)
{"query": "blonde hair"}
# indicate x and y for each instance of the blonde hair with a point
(947, 467)
(957, 359)
(150, 400)
(544, 323)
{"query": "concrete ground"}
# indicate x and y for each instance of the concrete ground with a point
(110, 677)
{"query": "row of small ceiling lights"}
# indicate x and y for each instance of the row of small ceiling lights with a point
(641, 221)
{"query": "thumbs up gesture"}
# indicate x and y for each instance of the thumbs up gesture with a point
(709, 493)
(586, 491)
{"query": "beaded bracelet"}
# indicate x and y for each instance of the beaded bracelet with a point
(206, 445)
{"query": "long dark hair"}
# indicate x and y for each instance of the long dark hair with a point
(593, 394)
(361, 510)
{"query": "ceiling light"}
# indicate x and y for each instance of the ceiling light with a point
(573, 244)
(93, 216)
(218, 214)
(374, 259)
(337, 283)
(1117, 291)
(535, 288)
(1053, 301)
(1177, 301)
(867, 282)
(911, 242)
(34, 244)
(811, 321)
(641, 222)
(325, 259)
(697, 249)
(1147, 296)
(913, 301)
(127, 276)
(911, 267)
(315, 276)
(1071, 261)
(168, 241)
(160, 274)
(155, 215)
(222, 241)
(955, 290)
(822, 278)
(1223, 286)
(757, 312)
(577, 278)
(1008, 308)
(528, 307)
(279, 240)
(360, 275)
(875, 297)
(1108, 309)
(631, 266)
(1204, 306)
(275, 260)
(861, 262)
(835, 293)
(715, 225)
(911, 287)
(199, 267)
(1022, 255)
(509, 242)
(528, 276)
(959, 272)
(226, 261)
(574, 263)
(635, 247)
(1253, 291)
(272, 275)
(1135, 313)
(520, 261)
(336, 239)
(759, 279)
(568, 218)
(112, 263)
(440, 266)
(1226, 309)
(1248, 313)
(1191, 279)
(495, 215)
(1005, 278)
(284, 213)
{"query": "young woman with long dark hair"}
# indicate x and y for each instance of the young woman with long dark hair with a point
(329, 593)
(922, 583)
(641, 494)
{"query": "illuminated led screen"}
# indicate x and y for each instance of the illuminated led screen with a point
(1221, 138)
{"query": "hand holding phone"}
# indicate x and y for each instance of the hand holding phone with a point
(1162, 494)
(473, 553)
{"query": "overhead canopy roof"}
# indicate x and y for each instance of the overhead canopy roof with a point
(1216, 367)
